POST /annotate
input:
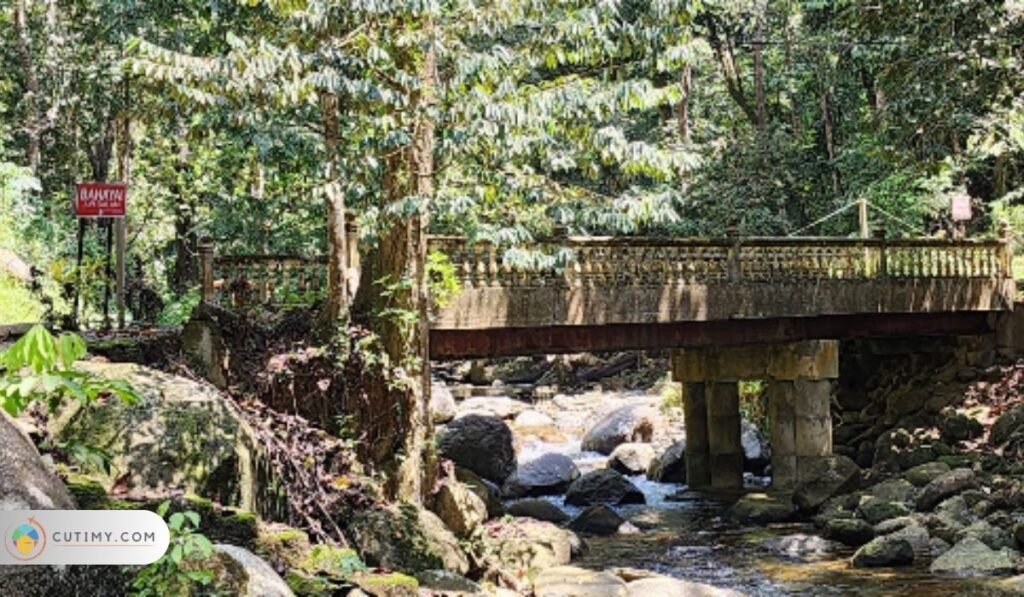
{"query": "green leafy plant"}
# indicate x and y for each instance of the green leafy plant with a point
(441, 279)
(179, 309)
(40, 368)
(184, 568)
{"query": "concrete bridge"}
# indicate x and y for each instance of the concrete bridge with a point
(731, 309)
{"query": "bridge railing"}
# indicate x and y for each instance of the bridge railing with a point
(617, 261)
(626, 261)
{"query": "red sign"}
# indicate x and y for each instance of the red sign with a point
(961, 208)
(100, 199)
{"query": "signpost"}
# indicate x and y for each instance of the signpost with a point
(107, 201)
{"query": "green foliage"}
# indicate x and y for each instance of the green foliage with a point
(17, 305)
(40, 368)
(754, 404)
(179, 310)
(185, 568)
(442, 280)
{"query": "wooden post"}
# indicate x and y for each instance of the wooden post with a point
(108, 273)
(733, 263)
(206, 267)
(862, 218)
(1005, 250)
(352, 265)
(78, 273)
(883, 259)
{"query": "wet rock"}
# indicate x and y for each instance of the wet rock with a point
(944, 486)
(875, 510)
(538, 509)
(531, 419)
(246, 574)
(670, 467)
(884, 551)
(849, 531)
(663, 586)
(895, 524)
(993, 537)
(761, 508)
(893, 490)
(917, 536)
(597, 520)
(971, 557)
(442, 402)
(461, 510)
(632, 423)
(550, 474)
(923, 474)
(825, 478)
(957, 427)
(406, 537)
(756, 455)
(524, 545)
(603, 486)
(937, 547)
(631, 458)
(480, 444)
(950, 517)
(569, 581)
(484, 489)
(448, 583)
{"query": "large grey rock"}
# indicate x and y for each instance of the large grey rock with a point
(481, 444)
(995, 537)
(670, 467)
(886, 550)
(442, 402)
(632, 458)
(550, 474)
(448, 583)
(597, 520)
(26, 483)
(923, 474)
(761, 508)
(944, 486)
(1005, 426)
(663, 586)
(569, 581)
(531, 419)
(893, 490)
(461, 510)
(603, 486)
(917, 536)
(523, 545)
(182, 436)
(501, 407)
(849, 531)
(875, 510)
(825, 478)
(247, 574)
(484, 489)
(756, 455)
(971, 557)
(407, 538)
(538, 509)
(632, 423)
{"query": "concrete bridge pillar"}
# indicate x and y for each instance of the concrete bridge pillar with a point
(799, 385)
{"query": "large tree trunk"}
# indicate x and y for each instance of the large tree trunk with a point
(32, 126)
(337, 251)
(186, 242)
(759, 92)
(686, 85)
(392, 415)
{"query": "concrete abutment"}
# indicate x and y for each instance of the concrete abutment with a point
(799, 378)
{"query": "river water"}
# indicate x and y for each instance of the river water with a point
(685, 535)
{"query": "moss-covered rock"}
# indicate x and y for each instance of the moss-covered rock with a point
(394, 584)
(304, 584)
(407, 538)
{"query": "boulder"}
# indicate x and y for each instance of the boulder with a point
(442, 402)
(597, 520)
(823, 479)
(632, 423)
(957, 427)
(895, 524)
(1005, 426)
(27, 484)
(660, 585)
(971, 557)
(384, 584)
(551, 474)
(670, 467)
(761, 508)
(406, 537)
(603, 486)
(944, 486)
(501, 407)
(849, 531)
(994, 537)
(531, 419)
(875, 510)
(886, 550)
(461, 510)
(182, 436)
(893, 490)
(923, 474)
(756, 455)
(448, 583)
(569, 581)
(631, 458)
(484, 489)
(917, 536)
(247, 574)
(481, 444)
(538, 509)
(522, 545)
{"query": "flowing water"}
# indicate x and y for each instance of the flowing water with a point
(685, 535)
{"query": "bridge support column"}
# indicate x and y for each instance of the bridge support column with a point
(799, 385)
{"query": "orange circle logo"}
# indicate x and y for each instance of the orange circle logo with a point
(26, 541)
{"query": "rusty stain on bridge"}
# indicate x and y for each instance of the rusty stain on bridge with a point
(632, 293)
